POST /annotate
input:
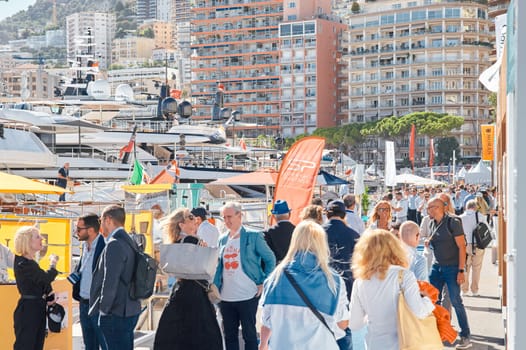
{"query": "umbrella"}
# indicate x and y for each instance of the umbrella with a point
(18, 184)
(327, 179)
(416, 180)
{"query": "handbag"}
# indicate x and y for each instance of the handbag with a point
(189, 261)
(211, 291)
(307, 301)
(415, 333)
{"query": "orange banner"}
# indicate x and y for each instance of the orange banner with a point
(488, 141)
(298, 173)
(412, 146)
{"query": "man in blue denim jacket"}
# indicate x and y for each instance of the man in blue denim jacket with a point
(239, 277)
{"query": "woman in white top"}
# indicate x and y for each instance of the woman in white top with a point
(377, 258)
(287, 322)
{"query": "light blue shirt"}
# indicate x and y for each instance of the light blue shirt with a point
(86, 263)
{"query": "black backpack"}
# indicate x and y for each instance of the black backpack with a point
(481, 234)
(144, 274)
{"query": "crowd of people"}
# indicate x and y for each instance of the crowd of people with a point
(315, 283)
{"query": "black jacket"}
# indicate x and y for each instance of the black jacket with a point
(278, 238)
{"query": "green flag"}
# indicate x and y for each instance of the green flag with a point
(137, 174)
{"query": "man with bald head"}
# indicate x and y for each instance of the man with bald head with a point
(410, 235)
(449, 246)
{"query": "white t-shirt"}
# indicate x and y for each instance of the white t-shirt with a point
(236, 286)
(208, 233)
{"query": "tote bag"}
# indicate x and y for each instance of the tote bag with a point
(415, 333)
(189, 261)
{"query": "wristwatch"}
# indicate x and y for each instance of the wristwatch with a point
(461, 270)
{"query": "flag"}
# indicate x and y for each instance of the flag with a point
(431, 152)
(488, 141)
(242, 144)
(298, 173)
(491, 76)
(137, 174)
(127, 149)
(359, 186)
(412, 146)
(390, 164)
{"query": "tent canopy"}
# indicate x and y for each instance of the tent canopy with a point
(269, 178)
(416, 180)
(18, 184)
(147, 188)
(480, 174)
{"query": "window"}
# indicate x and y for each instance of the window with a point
(436, 43)
(284, 30)
(292, 5)
(453, 13)
(397, 6)
(402, 17)
(436, 72)
(387, 19)
(420, 72)
(434, 14)
(418, 15)
(310, 28)
(405, 74)
(292, 17)
(411, 4)
(297, 29)
(436, 100)
(436, 85)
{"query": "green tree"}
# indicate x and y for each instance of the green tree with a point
(444, 148)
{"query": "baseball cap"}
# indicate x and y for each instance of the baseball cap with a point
(201, 212)
(336, 208)
(55, 315)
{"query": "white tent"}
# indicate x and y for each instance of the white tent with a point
(416, 180)
(480, 174)
(461, 173)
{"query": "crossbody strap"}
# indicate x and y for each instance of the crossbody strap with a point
(307, 301)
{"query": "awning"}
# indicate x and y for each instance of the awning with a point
(18, 184)
(147, 188)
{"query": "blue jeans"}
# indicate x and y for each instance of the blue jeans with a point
(447, 275)
(345, 343)
(244, 313)
(118, 331)
(91, 333)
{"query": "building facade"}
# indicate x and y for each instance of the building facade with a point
(132, 51)
(312, 83)
(163, 33)
(236, 43)
(425, 55)
(102, 27)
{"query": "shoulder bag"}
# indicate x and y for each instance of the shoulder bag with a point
(415, 333)
(189, 261)
(307, 301)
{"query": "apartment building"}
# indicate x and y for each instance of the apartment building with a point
(146, 10)
(236, 43)
(102, 26)
(27, 81)
(163, 33)
(132, 51)
(424, 55)
(181, 17)
(312, 80)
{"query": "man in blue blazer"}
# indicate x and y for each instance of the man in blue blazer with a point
(109, 295)
(239, 277)
(341, 240)
(87, 228)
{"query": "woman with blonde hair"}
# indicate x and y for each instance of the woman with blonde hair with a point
(312, 212)
(34, 285)
(188, 320)
(377, 259)
(381, 216)
(286, 319)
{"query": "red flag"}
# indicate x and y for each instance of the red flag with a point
(126, 150)
(298, 173)
(412, 146)
(431, 152)
(242, 144)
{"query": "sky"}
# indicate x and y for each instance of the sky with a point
(13, 6)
